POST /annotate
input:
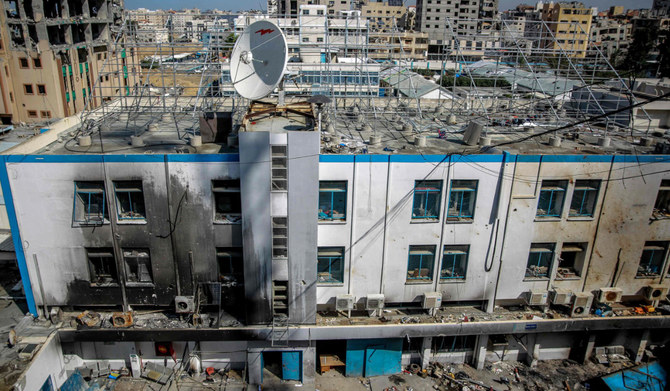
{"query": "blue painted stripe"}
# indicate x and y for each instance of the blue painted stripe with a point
(371, 158)
(419, 158)
(528, 158)
(478, 158)
(336, 158)
(642, 159)
(577, 159)
(16, 236)
(132, 158)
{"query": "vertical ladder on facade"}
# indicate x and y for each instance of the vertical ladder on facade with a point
(280, 332)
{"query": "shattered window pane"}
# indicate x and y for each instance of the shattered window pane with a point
(227, 201)
(129, 200)
(90, 205)
(102, 266)
(138, 265)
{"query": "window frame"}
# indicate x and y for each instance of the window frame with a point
(419, 186)
(87, 220)
(463, 186)
(136, 254)
(661, 209)
(230, 187)
(590, 186)
(455, 250)
(331, 259)
(28, 87)
(430, 250)
(101, 253)
(43, 87)
(562, 188)
(329, 216)
(32, 114)
(656, 247)
(577, 248)
(37, 63)
(21, 63)
(540, 248)
(235, 261)
(129, 187)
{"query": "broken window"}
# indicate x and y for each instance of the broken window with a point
(420, 263)
(78, 33)
(571, 260)
(652, 259)
(89, 203)
(539, 260)
(56, 35)
(552, 195)
(53, 9)
(455, 343)
(230, 262)
(41, 89)
(330, 265)
(37, 63)
(227, 201)
(333, 200)
(101, 265)
(426, 200)
(16, 34)
(138, 265)
(662, 205)
(454, 262)
(584, 198)
(462, 198)
(129, 200)
(11, 8)
(75, 7)
(28, 8)
(28, 89)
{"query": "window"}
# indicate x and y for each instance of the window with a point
(420, 264)
(412, 345)
(23, 63)
(129, 200)
(551, 198)
(570, 261)
(230, 262)
(454, 262)
(45, 114)
(102, 266)
(138, 265)
(319, 39)
(279, 180)
(89, 203)
(37, 63)
(227, 201)
(319, 12)
(333, 200)
(28, 89)
(305, 39)
(330, 265)
(652, 258)
(32, 113)
(462, 200)
(456, 343)
(305, 12)
(279, 237)
(584, 198)
(426, 200)
(41, 89)
(662, 205)
(539, 260)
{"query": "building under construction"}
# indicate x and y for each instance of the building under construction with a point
(507, 201)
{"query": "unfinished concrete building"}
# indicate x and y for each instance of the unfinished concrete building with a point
(53, 57)
(498, 221)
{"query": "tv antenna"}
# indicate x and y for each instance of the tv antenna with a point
(258, 60)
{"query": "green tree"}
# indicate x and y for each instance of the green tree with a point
(664, 58)
(644, 39)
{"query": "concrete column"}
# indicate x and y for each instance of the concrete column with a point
(532, 350)
(309, 367)
(590, 345)
(426, 354)
(254, 367)
(642, 346)
(480, 351)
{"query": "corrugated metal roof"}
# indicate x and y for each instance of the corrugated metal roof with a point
(6, 243)
(410, 84)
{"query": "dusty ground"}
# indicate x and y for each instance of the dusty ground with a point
(11, 313)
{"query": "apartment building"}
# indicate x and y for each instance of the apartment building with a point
(611, 35)
(53, 58)
(400, 45)
(291, 8)
(569, 25)
(384, 17)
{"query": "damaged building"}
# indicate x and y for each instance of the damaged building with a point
(53, 55)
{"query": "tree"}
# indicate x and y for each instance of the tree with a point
(664, 58)
(644, 39)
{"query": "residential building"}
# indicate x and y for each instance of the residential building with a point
(399, 45)
(290, 8)
(384, 17)
(661, 8)
(611, 35)
(53, 57)
(569, 25)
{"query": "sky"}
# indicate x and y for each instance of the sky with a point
(240, 5)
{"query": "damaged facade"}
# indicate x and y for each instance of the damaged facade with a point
(55, 52)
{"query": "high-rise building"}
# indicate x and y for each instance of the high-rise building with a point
(53, 57)
(569, 25)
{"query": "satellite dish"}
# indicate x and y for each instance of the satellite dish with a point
(258, 60)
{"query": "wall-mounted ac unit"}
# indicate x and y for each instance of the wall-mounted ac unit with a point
(609, 295)
(536, 297)
(581, 304)
(374, 302)
(655, 292)
(432, 300)
(560, 296)
(344, 302)
(184, 304)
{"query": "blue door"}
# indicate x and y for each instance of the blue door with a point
(383, 359)
(323, 58)
(291, 364)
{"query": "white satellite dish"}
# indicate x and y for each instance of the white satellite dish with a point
(258, 60)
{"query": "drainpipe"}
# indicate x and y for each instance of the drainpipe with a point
(386, 209)
(351, 227)
(440, 249)
(175, 263)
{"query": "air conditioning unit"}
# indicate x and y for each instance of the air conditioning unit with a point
(184, 304)
(536, 298)
(560, 296)
(609, 295)
(581, 304)
(344, 302)
(374, 302)
(432, 300)
(655, 292)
